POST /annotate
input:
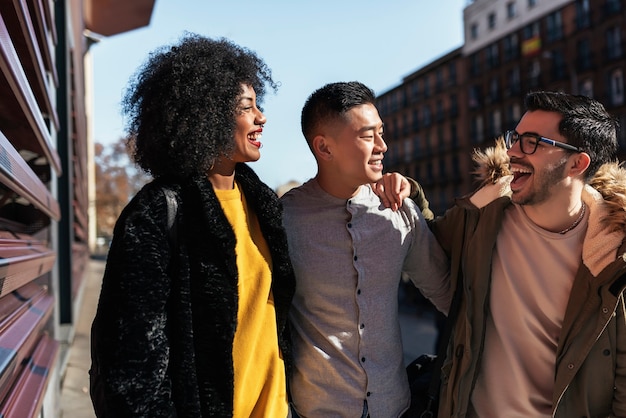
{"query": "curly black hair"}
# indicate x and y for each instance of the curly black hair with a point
(181, 104)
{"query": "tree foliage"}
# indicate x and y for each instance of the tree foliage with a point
(117, 181)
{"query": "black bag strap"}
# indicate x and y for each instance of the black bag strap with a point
(172, 215)
(172, 212)
(172, 225)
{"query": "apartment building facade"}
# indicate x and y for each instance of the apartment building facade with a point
(424, 117)
(511, 47)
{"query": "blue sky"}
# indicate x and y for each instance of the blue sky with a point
(306, 44)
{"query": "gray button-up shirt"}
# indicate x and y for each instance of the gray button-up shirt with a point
(348, 256)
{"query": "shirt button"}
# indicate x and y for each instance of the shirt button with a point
(358, 292)
(369, 394)
(362, 359)
(570, 366)
(362, 326)
(349, 225)
(355, 258)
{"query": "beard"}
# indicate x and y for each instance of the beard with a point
(544, 180)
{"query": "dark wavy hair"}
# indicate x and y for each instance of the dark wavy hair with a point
(181, 104)
(585, 124)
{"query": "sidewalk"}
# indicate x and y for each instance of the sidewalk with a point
(75, 400)
(418, 335)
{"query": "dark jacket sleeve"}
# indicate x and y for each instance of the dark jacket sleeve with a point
(419, 197)
(130, 347)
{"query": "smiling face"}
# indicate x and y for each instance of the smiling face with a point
(351, 151)
(540, 176)
(248, 129)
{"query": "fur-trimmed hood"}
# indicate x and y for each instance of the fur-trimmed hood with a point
(605, 195)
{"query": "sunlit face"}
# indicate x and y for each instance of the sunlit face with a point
(539, 176)
(249, 127)
(357, 146)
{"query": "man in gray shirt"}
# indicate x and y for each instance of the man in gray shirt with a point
(348, 253)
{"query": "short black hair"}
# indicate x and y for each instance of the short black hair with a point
(181, 103)
(586, 124)
(332, 101)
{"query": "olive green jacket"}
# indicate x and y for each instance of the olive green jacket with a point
(590, 372)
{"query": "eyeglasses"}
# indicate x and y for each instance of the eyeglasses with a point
(529, 142)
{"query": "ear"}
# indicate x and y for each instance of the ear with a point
(322, 148)
(580, 164)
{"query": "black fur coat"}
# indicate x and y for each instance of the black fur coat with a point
(163, 347)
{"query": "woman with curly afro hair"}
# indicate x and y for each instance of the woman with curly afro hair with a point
(192, 317)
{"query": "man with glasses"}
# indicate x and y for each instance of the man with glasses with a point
(542, 325)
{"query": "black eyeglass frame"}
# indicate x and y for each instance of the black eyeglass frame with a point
(510, 140)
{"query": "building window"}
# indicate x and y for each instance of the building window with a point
(511, 47)
(494, 89)
(586, 88)
(456, 168)
(491, 21)
(416, 147)
(442, 169)
(454, 137)
(474, 61)
(617, 87)
(509, 121)
(440, 139)
(405, 125)
(474, 31)
(492, 55)
(534, 71)
(496, 121)
(491, 126)
(430, 178)
(513, 86)
(416, 120)
(612, 6)
(440, 114)
(474, 96)
(510, 10)
(532, 3)
(554, 23)
(426, 87)
(452, 74)
(391, 156)
(439, 80)
(583, 19)
(406, 154)
(614, 42)
(394, 103)
(531, 31)
(454, 106)
(415, 90)
(393, 129)
(427, 116)
(558, 64)
(584, 60)
(476, 130)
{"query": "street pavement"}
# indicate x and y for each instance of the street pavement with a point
(418, 334)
